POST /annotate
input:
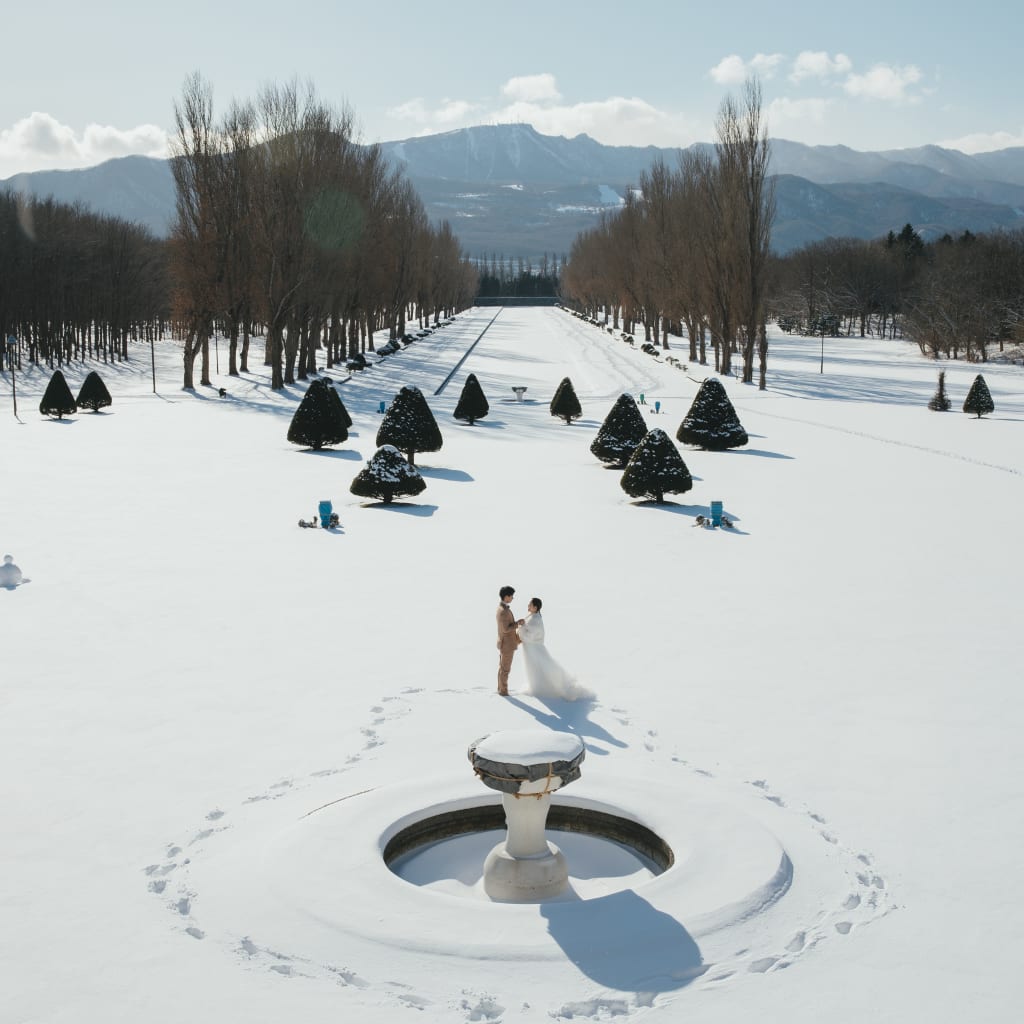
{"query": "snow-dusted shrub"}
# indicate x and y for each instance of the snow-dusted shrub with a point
(388, 476)
(565, 403)
(409, 425)
(472, 402)
(979, 398)
(940, 402)
(57, 399)
(321, 417)
(623, 429)
(93, 394)
(655, 469)
(712, 422)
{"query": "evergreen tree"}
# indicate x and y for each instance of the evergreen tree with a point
(565, 403)
(712, 422)
(388, 476)
(940, 403)
(656, 468)
(321, 417)
(93, 394)
(978, 399)
(472, 402)
(57, 399)
(409, 425)
(623, 429)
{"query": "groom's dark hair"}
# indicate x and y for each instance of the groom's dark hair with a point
(506, 592)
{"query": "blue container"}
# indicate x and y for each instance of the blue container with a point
(716, 513)
(382, 407)
(325, 508)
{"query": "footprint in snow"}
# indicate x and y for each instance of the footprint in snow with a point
(485, 1009)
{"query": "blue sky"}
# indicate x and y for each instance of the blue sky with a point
(83, 83)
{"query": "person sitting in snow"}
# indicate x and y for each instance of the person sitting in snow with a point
(10, 574)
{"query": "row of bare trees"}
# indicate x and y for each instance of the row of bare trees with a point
(285, 222)
(955, 297)
(690, 247)
(75, 285)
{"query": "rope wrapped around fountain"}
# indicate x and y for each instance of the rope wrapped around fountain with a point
(508, 776)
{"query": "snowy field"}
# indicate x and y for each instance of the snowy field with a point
(208, 716)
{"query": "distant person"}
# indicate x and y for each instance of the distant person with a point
(10, 574)
(508, 639)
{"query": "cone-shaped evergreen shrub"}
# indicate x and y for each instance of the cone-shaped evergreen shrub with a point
(623, 429)
(565, 403)
(57, 399)
(940, 403)
(409, 425)
(712, 422)
(388, 476)
(320, 419)
(472, 402)
(979, 399)
(655, 469)
(93, 394)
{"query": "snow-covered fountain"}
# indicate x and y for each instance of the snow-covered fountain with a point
(526, 766)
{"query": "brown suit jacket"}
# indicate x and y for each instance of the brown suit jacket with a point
(508, 638)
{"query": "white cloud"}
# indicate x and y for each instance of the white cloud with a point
(787, 118)
(764, 64)
(884, 82)
(734, 70)
(41, 142)
(448, 114)
(729, 70)
(532, 89)
(818, 64)
(984, 142)
(616, 121)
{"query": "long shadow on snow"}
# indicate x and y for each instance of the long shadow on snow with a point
(570, 716)
(647, 950)
(441, 473)
(333, 453)
(399, 506)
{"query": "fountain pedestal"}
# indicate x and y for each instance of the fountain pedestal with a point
(526, 766)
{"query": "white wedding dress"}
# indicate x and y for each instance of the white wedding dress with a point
(545, 677)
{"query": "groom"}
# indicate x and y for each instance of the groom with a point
(508, 638)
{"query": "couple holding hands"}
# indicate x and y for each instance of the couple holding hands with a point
(545, 677)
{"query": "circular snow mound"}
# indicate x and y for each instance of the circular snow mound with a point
(324, 881)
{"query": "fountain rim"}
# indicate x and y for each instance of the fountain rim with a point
(564, 815)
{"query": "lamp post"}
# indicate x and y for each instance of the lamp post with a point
(822, 367)
(12, 342)
(152, 359)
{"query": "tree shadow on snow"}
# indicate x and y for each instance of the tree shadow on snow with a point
(761, 453)
(399, 506)
(334, 453)
(622, 942)
(440, 473)
(570, 716)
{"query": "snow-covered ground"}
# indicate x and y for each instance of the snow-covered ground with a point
(209, 717)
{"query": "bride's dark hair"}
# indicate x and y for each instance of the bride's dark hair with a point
(536, 602)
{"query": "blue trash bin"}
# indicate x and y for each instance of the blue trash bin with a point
(325, 508)
(382, 407)
(716, 513)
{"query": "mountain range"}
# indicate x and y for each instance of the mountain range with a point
(508, 189)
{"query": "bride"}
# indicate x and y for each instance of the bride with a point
(546, 678)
